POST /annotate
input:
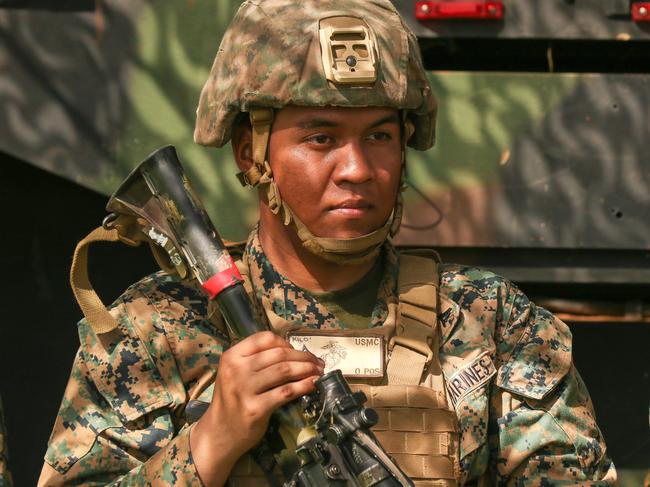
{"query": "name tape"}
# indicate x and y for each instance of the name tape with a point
(470, 377)
(355, 356)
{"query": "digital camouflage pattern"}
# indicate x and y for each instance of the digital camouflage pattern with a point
(122, 419)
(292, 303)
(5, 474)
(270, 56)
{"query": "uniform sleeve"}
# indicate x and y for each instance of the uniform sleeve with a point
(542, 426)
(90, 445)
(121, 420)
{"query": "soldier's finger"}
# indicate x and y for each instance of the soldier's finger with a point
(258, 342)
(278, 396)
(276, 355)
(282, 373)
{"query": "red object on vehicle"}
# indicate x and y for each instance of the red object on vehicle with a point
(453, 9)
(641, 11)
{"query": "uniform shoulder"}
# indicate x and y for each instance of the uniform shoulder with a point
(133, 379)
(480, 309)
(162, 291)
(163, 341)
(160, 286)
(165, 304)
(461, 282)
(531, 347)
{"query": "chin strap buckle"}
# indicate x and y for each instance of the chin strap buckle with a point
(260, 172)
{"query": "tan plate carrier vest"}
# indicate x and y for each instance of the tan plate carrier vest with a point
(416, 426)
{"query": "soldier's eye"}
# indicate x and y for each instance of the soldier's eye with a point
(380, 136)
(320, 139)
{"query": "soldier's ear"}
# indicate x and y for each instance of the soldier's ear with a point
(242, 145)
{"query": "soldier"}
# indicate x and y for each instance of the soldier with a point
(320, 99)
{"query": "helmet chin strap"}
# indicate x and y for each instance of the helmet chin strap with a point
(342, 251)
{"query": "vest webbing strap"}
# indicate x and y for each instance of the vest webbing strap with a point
(123, 229)
(433, 468)
(91, 305)
(412, 347)
(419, 420)
(414, 443)
(405, 366)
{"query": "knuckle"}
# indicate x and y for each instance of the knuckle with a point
(268, 339)
(226, 372)
(223, 365)
(307, 386)
(310, 356)
(251, 411)
(267, 336)
(227, 358)
(228, 367)
(278, 340)
(284, 368)
(280, 354)
(286, 391)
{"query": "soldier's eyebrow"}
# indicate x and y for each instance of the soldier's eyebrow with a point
(323, 122)
(388, 119)
(316, 123)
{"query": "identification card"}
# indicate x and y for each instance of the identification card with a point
(355, 356)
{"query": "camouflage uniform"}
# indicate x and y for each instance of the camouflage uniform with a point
(5, 474)
(122, 419)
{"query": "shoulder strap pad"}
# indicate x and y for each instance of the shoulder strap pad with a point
(414, 344)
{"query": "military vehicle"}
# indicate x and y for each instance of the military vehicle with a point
(541, 172)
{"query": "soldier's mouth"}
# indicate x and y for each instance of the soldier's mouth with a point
(352, 204)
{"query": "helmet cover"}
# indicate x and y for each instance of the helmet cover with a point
(273, 53)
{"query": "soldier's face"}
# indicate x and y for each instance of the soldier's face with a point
(338, 169)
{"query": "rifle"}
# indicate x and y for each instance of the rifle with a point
(327, 433)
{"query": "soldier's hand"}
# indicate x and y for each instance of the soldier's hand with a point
(255, 377)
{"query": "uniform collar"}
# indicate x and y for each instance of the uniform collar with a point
(298, 305)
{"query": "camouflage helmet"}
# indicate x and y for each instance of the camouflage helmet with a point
(282, 52)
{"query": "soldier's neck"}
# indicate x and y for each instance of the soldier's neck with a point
(285, 251)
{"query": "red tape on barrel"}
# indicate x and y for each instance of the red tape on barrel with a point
(222, 280)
